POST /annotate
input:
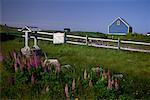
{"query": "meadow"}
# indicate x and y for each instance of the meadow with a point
(134, 66)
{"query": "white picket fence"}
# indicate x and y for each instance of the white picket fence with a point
(87, 41)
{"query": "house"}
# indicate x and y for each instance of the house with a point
(119, 27)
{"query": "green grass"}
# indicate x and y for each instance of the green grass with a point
(135, 66)
(133, 63)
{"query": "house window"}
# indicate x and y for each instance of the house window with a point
(118, 22)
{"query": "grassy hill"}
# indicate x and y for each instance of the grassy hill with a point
(133, 37)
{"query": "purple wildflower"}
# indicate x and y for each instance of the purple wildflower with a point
(73, 84)
(66, 90)
(116, 84)
(85, 74)
(90, 83)
(32, 79)
(109, 84)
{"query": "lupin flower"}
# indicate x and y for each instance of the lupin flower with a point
(20, 63)
(109, 84)
(28, 65)
(66, 91)
(30, 60)
(35, 60)
(18, 60)
(15, 66)
(15, 62)
(116, 84)
(112, 82)
(85, 74)
(90, 83)
(14, 55)
(73, 84)
(58, 67)
(108, 73)
(104, 76)
(32, 79)
(47, 88)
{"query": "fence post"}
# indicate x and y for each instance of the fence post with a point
(86, 40)
(65, 37)
(118, 43)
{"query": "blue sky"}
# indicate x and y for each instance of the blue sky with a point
(79, 15)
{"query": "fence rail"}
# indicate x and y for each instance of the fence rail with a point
(132, 42)
(45, 33)
(109, 40)
(73, 36)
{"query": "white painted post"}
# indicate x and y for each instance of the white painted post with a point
(26, 40)
(35, 43)
(86, 40)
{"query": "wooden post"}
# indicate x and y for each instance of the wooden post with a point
(86, 40)
(118, 43)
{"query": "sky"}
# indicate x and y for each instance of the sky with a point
(78, 15)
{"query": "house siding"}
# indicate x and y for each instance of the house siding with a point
(122, 28)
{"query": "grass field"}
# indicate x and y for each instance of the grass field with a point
(135, 66)
(132, 63)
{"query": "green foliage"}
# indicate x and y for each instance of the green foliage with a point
(19, 84)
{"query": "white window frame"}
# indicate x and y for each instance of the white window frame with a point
(118, 22)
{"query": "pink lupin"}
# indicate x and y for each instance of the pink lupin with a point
(32, 61)
(18, 60)
(85, 74)
(14, 55)
(32, 79)
(108, 73)
(104, 76)
(15, 66)
(116, 84)
(66, 91)
(28, 65)
(58, 67)
(35, 61)
(73, 84)
(112, 82)
(20, 64)
(90, 83)
(109, 84)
